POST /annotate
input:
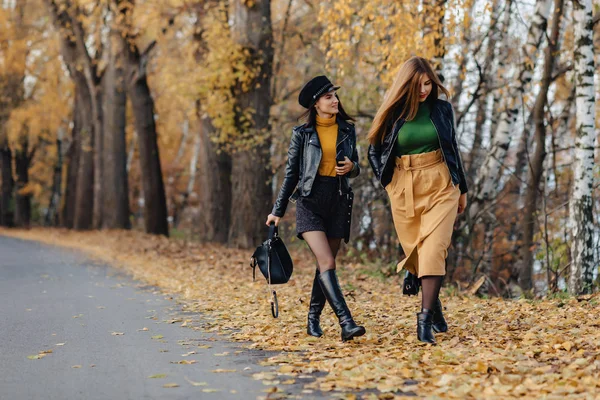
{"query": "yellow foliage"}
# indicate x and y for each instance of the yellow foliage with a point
(372, 39)
(35, 90)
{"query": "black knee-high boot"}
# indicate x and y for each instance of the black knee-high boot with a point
(333, 293)
(317, 303)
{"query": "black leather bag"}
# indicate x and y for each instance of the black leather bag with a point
(411, 284)
(274, 262)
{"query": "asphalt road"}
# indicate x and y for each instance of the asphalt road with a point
(105, 336)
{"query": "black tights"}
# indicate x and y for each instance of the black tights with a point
(430, 291)
(324, 249)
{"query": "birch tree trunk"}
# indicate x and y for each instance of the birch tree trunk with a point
(251, 169)
(499, 68)
(528, 222)
(486, 186)
(580, 205)
(495, 36)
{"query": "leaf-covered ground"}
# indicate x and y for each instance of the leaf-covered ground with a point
(495, 349)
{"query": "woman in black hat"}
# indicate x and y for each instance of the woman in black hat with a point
(321, 158)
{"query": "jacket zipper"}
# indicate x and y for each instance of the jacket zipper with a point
(442, 151)
(336, 147)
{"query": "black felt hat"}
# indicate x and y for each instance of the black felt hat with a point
(315, 88)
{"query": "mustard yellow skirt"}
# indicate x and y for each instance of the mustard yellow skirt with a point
(424, 206)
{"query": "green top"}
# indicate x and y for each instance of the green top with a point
(419, 135)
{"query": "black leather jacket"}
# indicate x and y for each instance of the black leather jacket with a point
(304, 157)
(381, 156)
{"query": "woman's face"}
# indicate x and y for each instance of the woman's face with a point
(425, 87)
(328, 104)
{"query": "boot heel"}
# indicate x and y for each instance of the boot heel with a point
(350, 333)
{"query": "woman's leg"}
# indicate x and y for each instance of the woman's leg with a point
(320, 246)
(317, 297)
(429, 302)
(431, 289)
(334, 245)
(430, 286)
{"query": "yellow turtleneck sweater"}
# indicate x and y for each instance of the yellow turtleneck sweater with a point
(327, 129)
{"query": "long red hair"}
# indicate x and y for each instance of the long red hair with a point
(403, 96)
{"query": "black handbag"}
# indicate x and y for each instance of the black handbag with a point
(411, 284)
(274, 262)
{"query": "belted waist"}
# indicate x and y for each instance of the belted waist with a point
(412, 162)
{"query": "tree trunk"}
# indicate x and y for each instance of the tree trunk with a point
(215, 183)
(581, 205)
(458, 87)
(51, 218)
(22, 198)
(498, 81)
(528, 222)
(67, 218)
(193, 169)
(84, 194)
(433, 30)
(463, 239)
(495, 36)
(155, 203)
(214, 168)
(83, 70)
(6, 195)
(487, 180)
(115, 189)
(97, 153)
(251, 169)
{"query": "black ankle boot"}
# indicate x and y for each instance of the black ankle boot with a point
(333, 293)
(438, 323)
(317, 303)
(424, 328)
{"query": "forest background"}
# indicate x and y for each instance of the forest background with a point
(174, 117)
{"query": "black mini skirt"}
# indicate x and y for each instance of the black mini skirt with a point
(322, 210)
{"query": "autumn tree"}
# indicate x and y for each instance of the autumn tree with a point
(251, 170)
